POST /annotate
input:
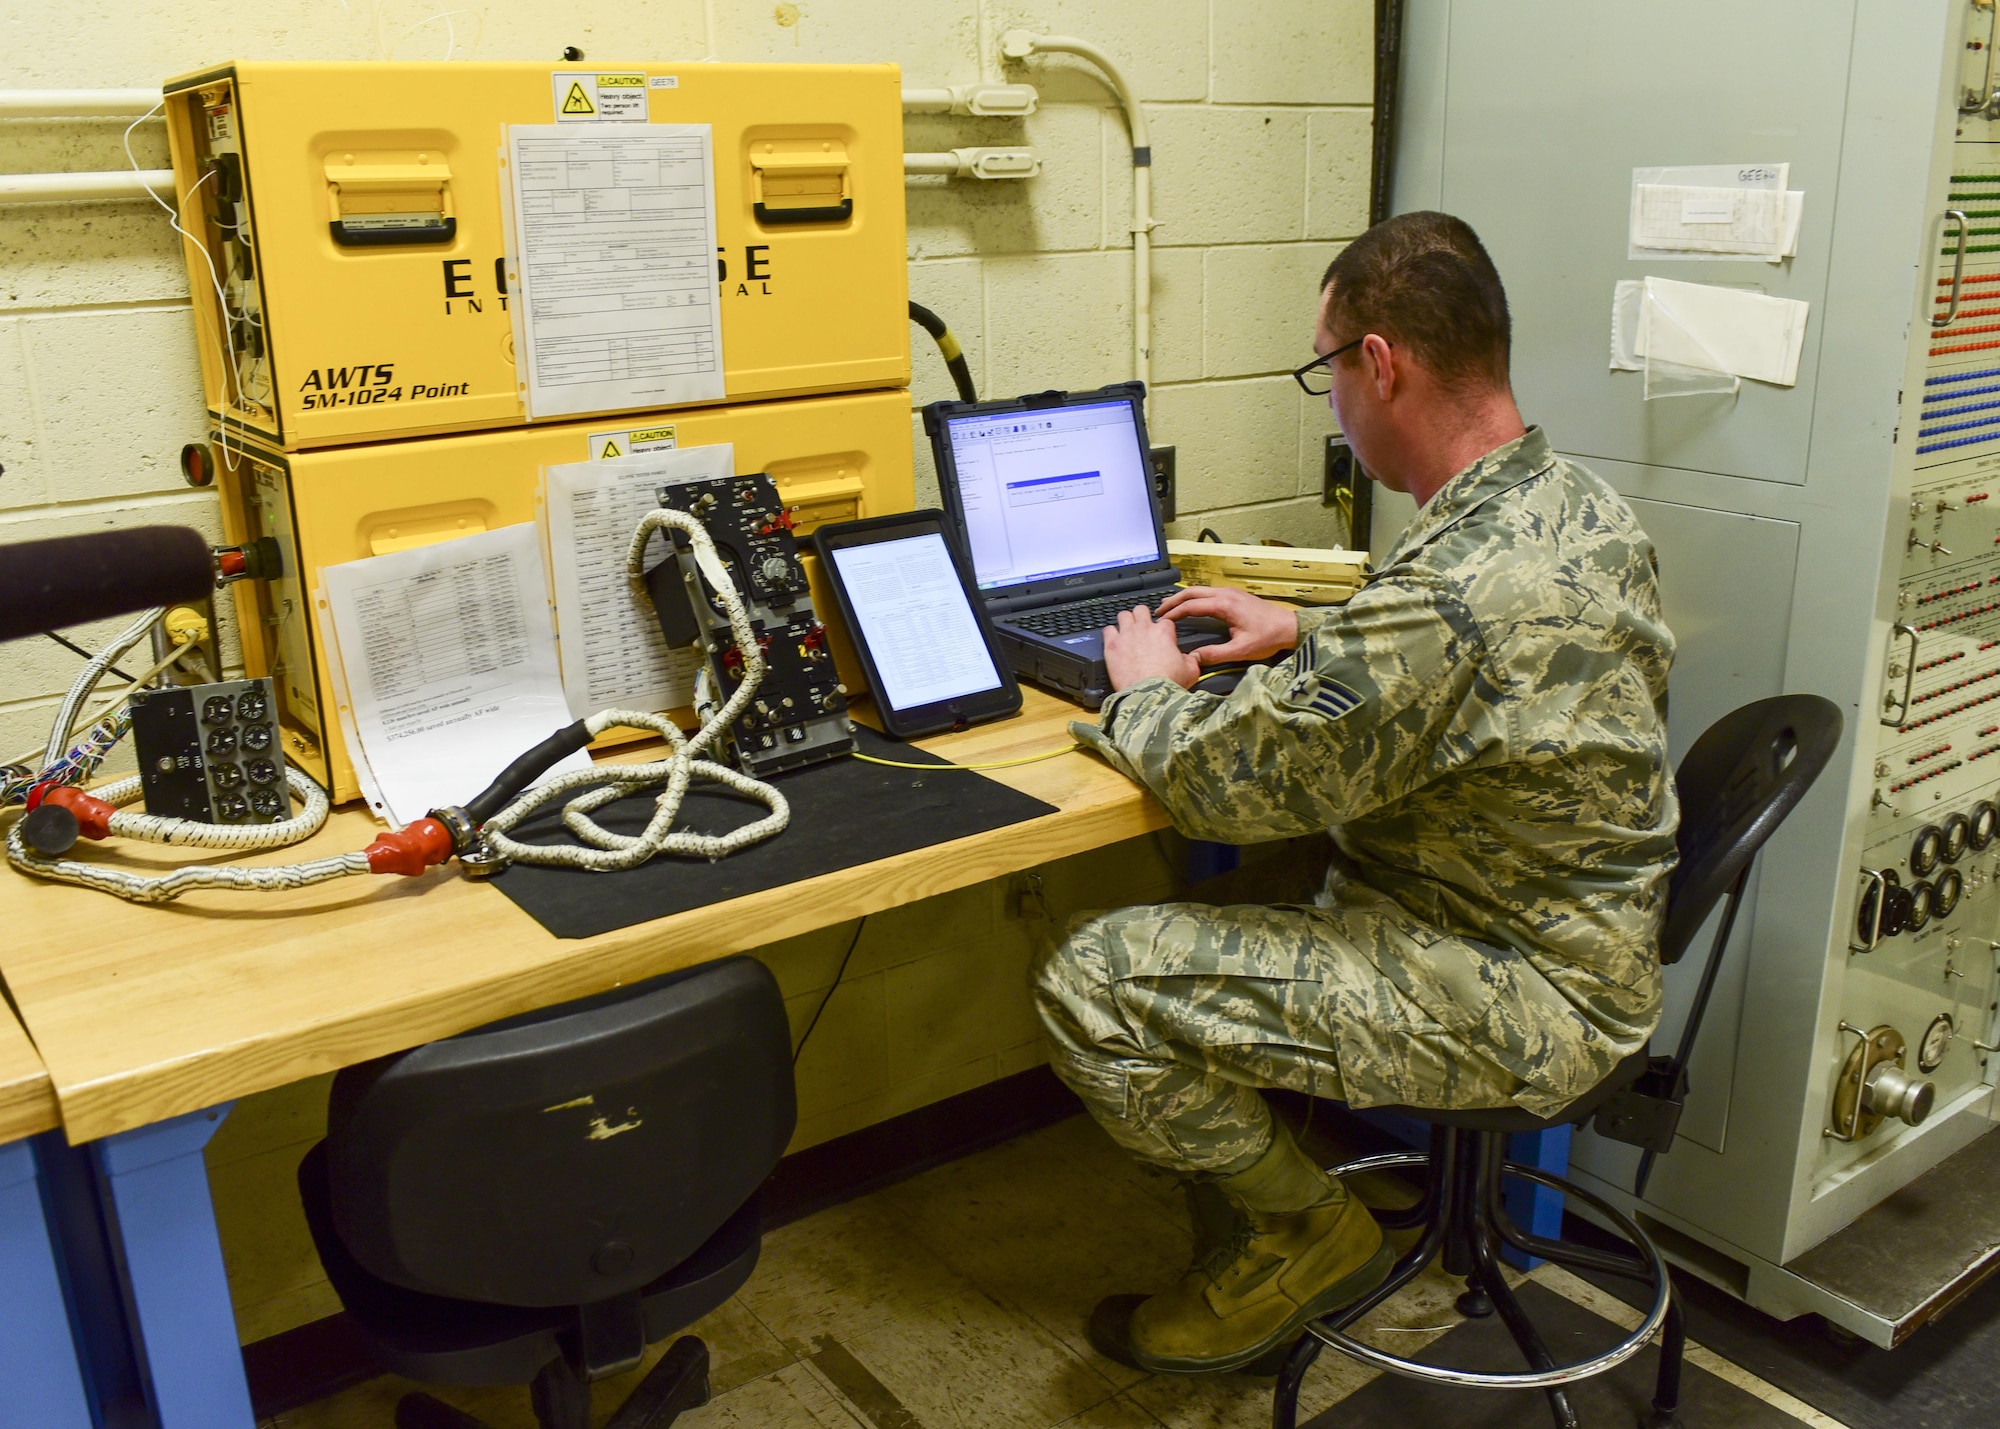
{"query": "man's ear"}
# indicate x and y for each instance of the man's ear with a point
(1382, 369)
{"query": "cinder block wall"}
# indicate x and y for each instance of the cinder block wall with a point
(1260, 132)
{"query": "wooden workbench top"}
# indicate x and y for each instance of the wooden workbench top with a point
(27, 1101)
(142, 1013)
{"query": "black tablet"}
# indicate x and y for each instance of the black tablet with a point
(932, 659)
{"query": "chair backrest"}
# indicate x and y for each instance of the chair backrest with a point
(1743, 776)
(569, 1155)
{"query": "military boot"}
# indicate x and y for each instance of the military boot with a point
(1218, 1222)
(1301, 1248)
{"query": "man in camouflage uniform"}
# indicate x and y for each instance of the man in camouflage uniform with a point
(1482, 730)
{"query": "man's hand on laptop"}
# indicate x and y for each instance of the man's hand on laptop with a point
(1139, 647)
(1258, 629)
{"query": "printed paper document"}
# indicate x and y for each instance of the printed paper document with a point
(613, 655)
(450, 663)
(612, 229)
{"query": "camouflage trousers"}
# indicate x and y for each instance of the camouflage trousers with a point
(1167, 1020)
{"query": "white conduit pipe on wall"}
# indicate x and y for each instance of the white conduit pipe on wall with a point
(1018, 45)
(87, 188)
(83, 187)
(77, 103)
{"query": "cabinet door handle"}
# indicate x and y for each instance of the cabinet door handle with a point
(1902, 707)
(1958, 217)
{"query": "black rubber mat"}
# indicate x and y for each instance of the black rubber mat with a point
(1617, 1400)
(844, 812)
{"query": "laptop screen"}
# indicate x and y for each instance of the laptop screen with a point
(1055, 492)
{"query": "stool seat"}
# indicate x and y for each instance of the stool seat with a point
(1512, 1119)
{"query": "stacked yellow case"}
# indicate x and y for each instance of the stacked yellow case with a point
(348, 264)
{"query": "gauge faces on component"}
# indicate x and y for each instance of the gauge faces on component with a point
(1957, 834)
(1926, 849)
(1923, 904)
(1985, 823)
(1950, 888)
(1937, 1038)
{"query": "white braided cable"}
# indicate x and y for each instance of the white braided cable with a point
(606, 851)
(165, 888)
(192, 833)
(86, 681)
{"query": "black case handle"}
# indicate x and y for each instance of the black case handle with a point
(443, 231)
(833, 213)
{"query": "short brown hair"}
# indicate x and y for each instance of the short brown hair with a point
(1424, 280)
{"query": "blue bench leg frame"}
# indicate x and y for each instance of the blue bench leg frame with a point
(144, 1268)
(38, 1355)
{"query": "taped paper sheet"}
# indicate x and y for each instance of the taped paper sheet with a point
(450, 663)
(1714, 211)
(612, 232)
(612, 652)
(1695, 337)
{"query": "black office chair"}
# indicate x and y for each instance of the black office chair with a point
(1737, 784)
(536, 1201)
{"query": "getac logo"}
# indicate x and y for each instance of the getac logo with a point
(1073, 580)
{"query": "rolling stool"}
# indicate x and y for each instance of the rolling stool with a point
(1737, 784)
(536, 1201)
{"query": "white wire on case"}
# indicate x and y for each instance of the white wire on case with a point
(606, 851)
(86, 681)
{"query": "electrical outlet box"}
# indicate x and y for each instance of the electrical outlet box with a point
(1347, 486)
(1163, 480)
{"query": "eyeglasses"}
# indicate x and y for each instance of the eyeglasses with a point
(1316, 377)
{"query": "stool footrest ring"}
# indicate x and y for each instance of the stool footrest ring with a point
(1331, 1330)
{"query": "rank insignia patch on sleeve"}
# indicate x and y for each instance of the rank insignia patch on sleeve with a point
(1322, 696)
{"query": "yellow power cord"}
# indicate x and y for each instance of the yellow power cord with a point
(995, 764)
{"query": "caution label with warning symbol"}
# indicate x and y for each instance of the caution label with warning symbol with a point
(598, 98)
(639, 441)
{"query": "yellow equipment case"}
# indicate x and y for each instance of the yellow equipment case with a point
(346, 258)
(833, 458)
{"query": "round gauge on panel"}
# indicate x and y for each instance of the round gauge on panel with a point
(215, 710)
(251, 706)
(256, 736)
(1985, 822)
(1957, 834)
(222, 741)
(1937, 1038)
(1950, 888)
(1925, 850)
(1923, 903)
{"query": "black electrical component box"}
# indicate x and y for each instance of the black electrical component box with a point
(210, 753)
(798, 715)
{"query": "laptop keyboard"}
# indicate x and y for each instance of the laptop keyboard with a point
(1084, 614)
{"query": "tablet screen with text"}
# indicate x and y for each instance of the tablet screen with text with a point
(913, 615)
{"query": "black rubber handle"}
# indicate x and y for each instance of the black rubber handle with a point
(526, 770)
(443, 231)
(835, 213)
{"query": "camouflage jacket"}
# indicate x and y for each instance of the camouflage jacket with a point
(1482, 729)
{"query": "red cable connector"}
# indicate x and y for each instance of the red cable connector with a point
(410, 850)
(93, 815)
